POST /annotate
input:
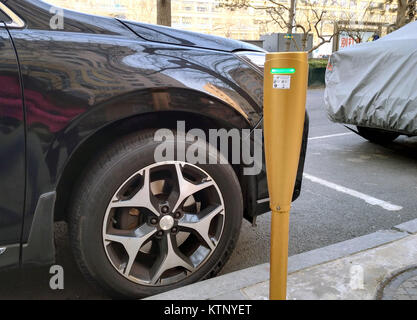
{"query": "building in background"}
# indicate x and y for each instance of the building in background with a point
(195, 15)
(245, 24)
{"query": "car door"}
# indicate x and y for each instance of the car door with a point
(12, 148)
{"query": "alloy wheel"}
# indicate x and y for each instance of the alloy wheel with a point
(163, 223)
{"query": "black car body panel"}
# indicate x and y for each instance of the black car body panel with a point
(12, 142)
(89, 83)
(184, 38)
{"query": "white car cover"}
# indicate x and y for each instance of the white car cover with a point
(374, 84)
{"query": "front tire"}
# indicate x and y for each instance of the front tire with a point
(139, 228)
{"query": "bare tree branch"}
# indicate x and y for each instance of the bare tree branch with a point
(280, 15)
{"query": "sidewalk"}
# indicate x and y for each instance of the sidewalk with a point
(381, 265)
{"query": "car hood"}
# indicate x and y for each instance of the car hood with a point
(169, 35)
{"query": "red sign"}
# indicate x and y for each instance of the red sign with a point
(346, 42)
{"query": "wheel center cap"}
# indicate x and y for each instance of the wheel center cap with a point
(166, 222)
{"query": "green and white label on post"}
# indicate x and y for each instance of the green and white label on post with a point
(281, 81)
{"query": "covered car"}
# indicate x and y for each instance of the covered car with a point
(373, 85)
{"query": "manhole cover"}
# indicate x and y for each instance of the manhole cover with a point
(402, 286)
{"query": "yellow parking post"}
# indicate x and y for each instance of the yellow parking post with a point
(285, 90)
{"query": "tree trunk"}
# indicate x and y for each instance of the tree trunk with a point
(405, 12)
(163, 12)
(401, 13)
(304, 41)
(290, 24)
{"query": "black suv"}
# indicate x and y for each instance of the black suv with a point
(80, 106)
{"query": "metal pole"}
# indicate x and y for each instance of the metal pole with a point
(285, 90)
(279, 254)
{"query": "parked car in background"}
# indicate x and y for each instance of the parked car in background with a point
(79, 107)
(373, 86)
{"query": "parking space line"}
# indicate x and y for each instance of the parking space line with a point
(368, 199)
(331, 136)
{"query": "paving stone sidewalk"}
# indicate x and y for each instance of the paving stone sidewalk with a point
(407, 291)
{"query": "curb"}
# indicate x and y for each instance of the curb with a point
(229, 286)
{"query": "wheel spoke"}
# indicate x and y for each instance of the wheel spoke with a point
(187, 188)
(132, 243)
(141, 199)
(201, 224)
(170, 258)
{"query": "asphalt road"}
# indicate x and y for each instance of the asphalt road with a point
(336, 160)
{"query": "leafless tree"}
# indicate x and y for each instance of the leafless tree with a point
(353, 23)
(287, 18)
(380, 13)
(406, 11)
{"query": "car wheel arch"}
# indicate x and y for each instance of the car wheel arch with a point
(93, 144)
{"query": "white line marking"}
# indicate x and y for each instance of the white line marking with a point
(368, 199)
(263, 200)
(331, 136)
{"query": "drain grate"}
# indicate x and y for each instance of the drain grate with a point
(402, 286)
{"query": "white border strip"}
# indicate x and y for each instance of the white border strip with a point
(368, 199)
